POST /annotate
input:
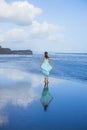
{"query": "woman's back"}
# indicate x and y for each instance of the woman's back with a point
(46, 65)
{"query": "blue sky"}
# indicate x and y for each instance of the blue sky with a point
(56, 26)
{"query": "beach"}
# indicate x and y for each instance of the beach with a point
(21, 90)
(43, 65)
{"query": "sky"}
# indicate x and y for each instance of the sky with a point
(44, 25)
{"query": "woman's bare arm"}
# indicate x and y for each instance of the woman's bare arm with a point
(50, 61)
(42, 61)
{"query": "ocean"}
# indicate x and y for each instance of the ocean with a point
(65, 66)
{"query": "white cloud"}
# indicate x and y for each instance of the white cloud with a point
(12, 75)
(47, 31)
(19, 94)
(22, 93)
(35, 32)
(19, 88)
(24, 13)
(16, 34)
(19, 12)
(1, 37)
(45, 27)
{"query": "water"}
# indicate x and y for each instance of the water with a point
(66, 66)
(21, 93)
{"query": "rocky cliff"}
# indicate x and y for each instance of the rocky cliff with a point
(20, 52)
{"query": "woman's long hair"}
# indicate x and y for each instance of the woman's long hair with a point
(46, 55)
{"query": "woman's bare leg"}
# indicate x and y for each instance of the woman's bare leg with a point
(46, 80)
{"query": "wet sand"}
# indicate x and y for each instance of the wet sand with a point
(21, 107)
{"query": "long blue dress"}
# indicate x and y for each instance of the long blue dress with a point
(46, 67)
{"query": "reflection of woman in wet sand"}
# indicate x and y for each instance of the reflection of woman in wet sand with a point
(46, 97)
(46, 66)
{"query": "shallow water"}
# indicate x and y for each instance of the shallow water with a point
(21, 91)
(21, 107)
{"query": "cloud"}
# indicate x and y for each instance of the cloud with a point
(24, 13)
(16, 91)
(21, 93)
(16, 35)
(36, 31)
(19, 12)
(47, 31)
(1, 37)
(12, 75)
(19, 88)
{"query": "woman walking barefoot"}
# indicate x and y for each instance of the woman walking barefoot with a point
(46, 66)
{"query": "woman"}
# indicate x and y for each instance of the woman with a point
(46, 66)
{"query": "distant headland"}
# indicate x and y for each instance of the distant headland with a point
(19, 52)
